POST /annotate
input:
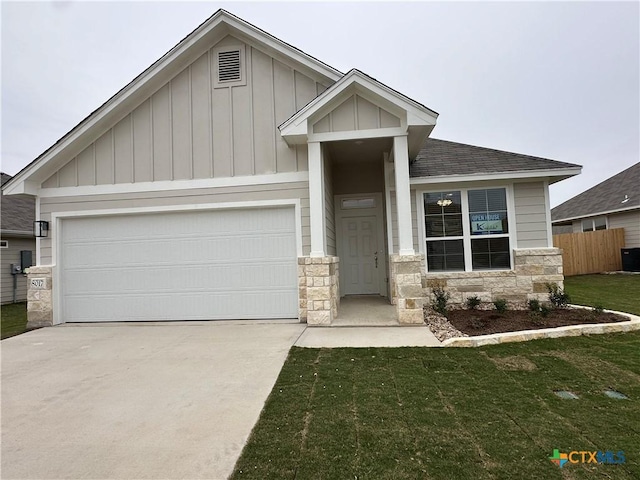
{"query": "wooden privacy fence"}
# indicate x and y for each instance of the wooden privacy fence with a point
(591, 252)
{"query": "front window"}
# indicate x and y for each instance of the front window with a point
(444, 231)
(467, 230)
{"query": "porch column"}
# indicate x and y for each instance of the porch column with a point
(403, 197)
(316, 200)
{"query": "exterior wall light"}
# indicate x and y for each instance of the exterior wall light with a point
(41, 228)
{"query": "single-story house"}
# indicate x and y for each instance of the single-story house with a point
(240, 178)
(17, 244)
(613, 203)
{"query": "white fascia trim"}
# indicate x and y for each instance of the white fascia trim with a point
(597, 214)
(14, 185)
(166, 185)
(474, 177)
(416, 112)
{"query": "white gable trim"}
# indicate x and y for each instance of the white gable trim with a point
(167, 185)
(296, 129)
(24, 182)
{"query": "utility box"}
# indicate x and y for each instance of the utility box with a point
(631, 259)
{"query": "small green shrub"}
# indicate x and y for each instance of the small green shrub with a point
(557, 296)
(544, 310)
(534, 305)
(440, 300)
(598, 309)
(473, 303)
(501, 305)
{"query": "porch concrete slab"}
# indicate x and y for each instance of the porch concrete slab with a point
(330, 337)
(365, 310)
(171, 400)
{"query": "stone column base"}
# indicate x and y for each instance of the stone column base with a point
(39, 297)
(406, 287)
(319, 289)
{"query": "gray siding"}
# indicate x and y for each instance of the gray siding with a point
(297, 190)
(531, 226)
(355, 113)
(10, 255)
(191, 129)
(329, 205)
(630, 221)
(394, 222)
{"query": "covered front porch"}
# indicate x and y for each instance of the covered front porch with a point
(360, 136)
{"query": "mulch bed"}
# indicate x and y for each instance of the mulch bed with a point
(485, 322)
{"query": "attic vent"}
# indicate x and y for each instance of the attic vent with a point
(229, 66)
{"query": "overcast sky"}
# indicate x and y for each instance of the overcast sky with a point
(555, 80)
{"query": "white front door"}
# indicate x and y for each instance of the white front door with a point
(359, 259)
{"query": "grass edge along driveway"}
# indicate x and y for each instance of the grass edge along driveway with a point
(435, 413)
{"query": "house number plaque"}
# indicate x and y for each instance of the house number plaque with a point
(37, 283)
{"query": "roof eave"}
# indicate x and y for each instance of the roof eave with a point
(552, 175)
(597, 214)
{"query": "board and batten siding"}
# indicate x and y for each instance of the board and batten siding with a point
(355, 113)
(10, 255)
(275, 191)
(531, 219)
(630, 221)
(192, 129)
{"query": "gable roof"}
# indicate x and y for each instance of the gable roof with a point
(439, 158)
(605, 197)
(221, 23)
(420, 119)
(18, 212)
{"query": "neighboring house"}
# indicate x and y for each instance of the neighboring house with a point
(613, 203)
(240, 178)
(16, 235)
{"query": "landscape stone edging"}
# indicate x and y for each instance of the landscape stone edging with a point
(569, 331)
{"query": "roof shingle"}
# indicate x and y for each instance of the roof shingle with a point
(606, 196)
(18, 211)
(442, 157)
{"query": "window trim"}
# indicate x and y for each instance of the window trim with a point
(592, 220)
(4, 243)
(466, 229)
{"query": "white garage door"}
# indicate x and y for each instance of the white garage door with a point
(199, 265)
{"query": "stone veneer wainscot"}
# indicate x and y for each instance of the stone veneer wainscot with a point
(318, 289)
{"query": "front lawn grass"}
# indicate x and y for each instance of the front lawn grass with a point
(616, 292)
(13, 319)
(446, 413)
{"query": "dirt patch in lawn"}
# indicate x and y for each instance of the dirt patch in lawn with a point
(514, 363)
(485, 322)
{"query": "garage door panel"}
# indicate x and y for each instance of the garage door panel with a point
(191, 250)
(180, 266)
(163, 279)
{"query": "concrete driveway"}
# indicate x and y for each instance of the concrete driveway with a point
(136, 400)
